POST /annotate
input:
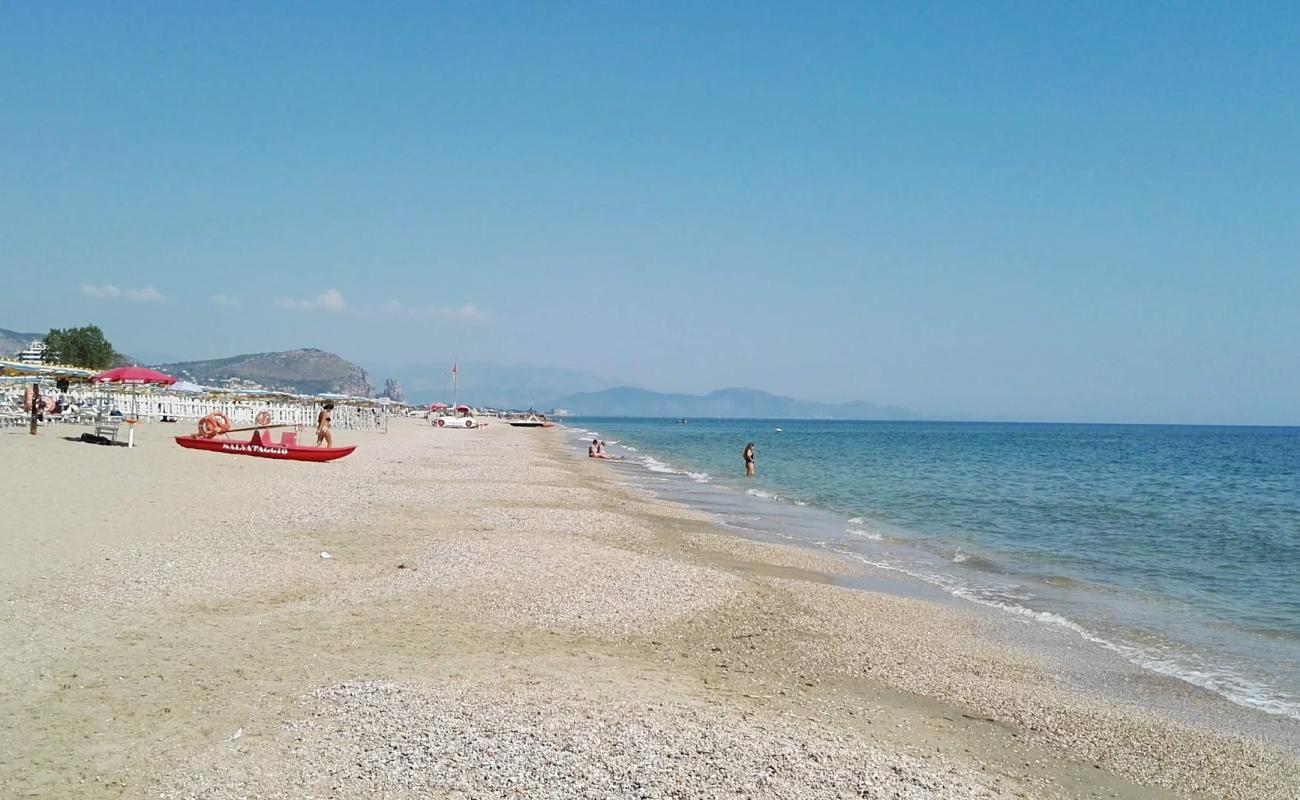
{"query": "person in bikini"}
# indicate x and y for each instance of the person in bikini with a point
(749, 459)
(323, 426)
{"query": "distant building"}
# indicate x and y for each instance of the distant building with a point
(34, 354)
(560, 412)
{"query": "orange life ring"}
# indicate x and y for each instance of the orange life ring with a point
(441, 423)
(213, 425)
(264, 418)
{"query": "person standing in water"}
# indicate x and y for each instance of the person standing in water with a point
(323, 426)
(749, 459)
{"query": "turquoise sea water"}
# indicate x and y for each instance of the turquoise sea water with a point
(1176, 547)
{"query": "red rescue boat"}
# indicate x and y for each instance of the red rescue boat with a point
(262, 446)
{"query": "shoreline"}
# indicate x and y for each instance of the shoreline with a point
(905, 562)
(495, 609)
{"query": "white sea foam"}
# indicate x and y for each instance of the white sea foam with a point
(863, 533)
(800, 503)
(958, 557)
(855, 520)
(655, 465)
(698, 477)
(631, 449)
(760, 493)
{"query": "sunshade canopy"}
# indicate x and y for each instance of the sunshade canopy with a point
(20, 369)
(136, 375)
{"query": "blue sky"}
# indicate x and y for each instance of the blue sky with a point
(1025, 210)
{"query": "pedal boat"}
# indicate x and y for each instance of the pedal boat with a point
(263, 446)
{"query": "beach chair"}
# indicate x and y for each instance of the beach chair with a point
(107, 426)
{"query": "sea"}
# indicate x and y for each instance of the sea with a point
(1174, 548)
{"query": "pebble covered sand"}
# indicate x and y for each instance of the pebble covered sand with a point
(466, 740)
(483, 614)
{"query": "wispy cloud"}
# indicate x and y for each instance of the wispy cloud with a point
(108, 291)
(467, 312)
(330, 300)
(225, 300)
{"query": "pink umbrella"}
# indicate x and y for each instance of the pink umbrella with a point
(437, 406)
(133, 376)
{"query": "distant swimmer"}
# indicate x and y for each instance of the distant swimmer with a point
(597, 450)
(749, 459)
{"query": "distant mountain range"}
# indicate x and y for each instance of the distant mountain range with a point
(307, 371)
(587, 394)
(495, 385)
(312, 371)
(626, 401)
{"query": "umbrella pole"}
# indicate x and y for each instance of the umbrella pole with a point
(135, 417)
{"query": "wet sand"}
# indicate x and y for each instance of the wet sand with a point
(499, 618)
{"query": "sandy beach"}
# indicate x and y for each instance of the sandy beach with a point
(499, 617)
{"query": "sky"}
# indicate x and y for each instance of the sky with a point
(1037, 211)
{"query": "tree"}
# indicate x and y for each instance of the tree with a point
(79, 347)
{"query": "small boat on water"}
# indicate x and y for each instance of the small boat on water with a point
(262, 445)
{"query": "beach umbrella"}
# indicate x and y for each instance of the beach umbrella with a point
(188, 387)
(135, 377)
(437, 406)
(20, 369)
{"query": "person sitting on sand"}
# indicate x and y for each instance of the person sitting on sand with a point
(597, 450)
(749, 459)
(323, 426)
